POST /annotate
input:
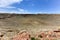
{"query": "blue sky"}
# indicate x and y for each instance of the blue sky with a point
(30, 6)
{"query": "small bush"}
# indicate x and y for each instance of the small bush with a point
(32, 38)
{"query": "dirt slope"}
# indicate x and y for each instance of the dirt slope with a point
(12, 24)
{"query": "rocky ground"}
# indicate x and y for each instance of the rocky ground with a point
(11, 24)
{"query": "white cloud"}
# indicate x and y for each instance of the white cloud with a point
(15, 12)
(10, 7)
(6, 8)
(21, 10)
(5, 3)
(18, 11)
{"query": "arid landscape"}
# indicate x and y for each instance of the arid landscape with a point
(11, 24)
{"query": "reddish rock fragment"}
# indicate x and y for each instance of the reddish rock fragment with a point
(24, 35)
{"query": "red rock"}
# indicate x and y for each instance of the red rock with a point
(24, 35)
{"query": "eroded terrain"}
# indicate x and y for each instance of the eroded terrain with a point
(10, 25)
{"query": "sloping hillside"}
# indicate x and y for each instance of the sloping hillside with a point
(11, 24)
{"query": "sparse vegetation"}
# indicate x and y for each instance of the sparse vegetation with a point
(31, 23)
(32, 38)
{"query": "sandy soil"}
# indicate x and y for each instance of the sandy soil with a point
(10, 26)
